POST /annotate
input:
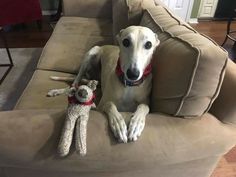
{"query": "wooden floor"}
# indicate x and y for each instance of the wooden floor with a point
(31, 36)
(217, 30)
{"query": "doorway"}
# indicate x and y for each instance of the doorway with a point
(182, 8)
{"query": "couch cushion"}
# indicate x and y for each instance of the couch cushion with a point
(71, 39)
(84, 26)
(188, 67)
(88, 8)
(34, 96)
(128, 12)
(166, 142)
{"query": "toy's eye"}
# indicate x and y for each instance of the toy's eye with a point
(148, 45)
(126, 43)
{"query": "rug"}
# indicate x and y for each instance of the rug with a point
(25, 61)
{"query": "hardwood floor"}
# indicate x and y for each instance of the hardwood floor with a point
(31, 36)
(217, 31)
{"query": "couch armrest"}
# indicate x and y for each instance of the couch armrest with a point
(29, 138)
(88, 8)
(224, 107)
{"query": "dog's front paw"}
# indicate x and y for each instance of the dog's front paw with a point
(136, 127)
(52, 93)
(118, 127)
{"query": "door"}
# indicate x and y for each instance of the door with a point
(182, 8)
(207, 8)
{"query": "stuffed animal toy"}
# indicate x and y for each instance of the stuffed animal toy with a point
(80, 101)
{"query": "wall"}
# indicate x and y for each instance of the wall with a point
(49, 4)
(196, 6)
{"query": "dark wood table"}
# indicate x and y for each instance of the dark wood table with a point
(230, 34)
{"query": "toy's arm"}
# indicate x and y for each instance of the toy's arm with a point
(93, 107)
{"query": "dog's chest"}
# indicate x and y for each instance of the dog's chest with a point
(127, 101)
(127, 98)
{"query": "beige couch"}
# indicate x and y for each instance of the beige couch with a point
(182, 137)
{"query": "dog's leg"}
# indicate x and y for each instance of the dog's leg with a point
(81, 135)
(67, 132)
(116, 121)
(56, 92)
(137, 122)
(61, 78)
(92, 54)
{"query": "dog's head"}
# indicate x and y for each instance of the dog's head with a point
(137, 45)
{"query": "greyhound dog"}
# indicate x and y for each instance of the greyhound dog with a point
(125, 79)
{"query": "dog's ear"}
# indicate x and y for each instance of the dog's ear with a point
(157, 40)
(118, 36)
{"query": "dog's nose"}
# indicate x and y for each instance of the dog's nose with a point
(133, 73)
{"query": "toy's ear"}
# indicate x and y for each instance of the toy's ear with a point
(93, 84)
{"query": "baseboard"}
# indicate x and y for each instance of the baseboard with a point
(193, 21)
(49, 12)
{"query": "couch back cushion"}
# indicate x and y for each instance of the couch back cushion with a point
(188, 67)
(88, 8)
(128, 12)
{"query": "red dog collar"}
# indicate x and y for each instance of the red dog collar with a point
(126, 82)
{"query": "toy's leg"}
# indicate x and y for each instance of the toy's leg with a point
(137, 122)
(81, 135)
(116, 122)
(67, 132)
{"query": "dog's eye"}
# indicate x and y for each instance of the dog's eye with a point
(148, 45)
(126, 43)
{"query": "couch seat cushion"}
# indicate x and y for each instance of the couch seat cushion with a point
(188, 67)
(34, 96)
(71, 39)
(166, 142)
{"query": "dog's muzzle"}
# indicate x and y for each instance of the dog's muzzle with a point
(133, 74)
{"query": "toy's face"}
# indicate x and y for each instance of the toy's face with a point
(84, 93)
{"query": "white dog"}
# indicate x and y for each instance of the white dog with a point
(125, 80)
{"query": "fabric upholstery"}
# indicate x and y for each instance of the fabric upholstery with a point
(84, 26)
(196, 168)
(72, 38)
(188, 68)
(225, 104)
(2, 172)
(34, 96)
(165, 142)
(128, 12)
(88, 8)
